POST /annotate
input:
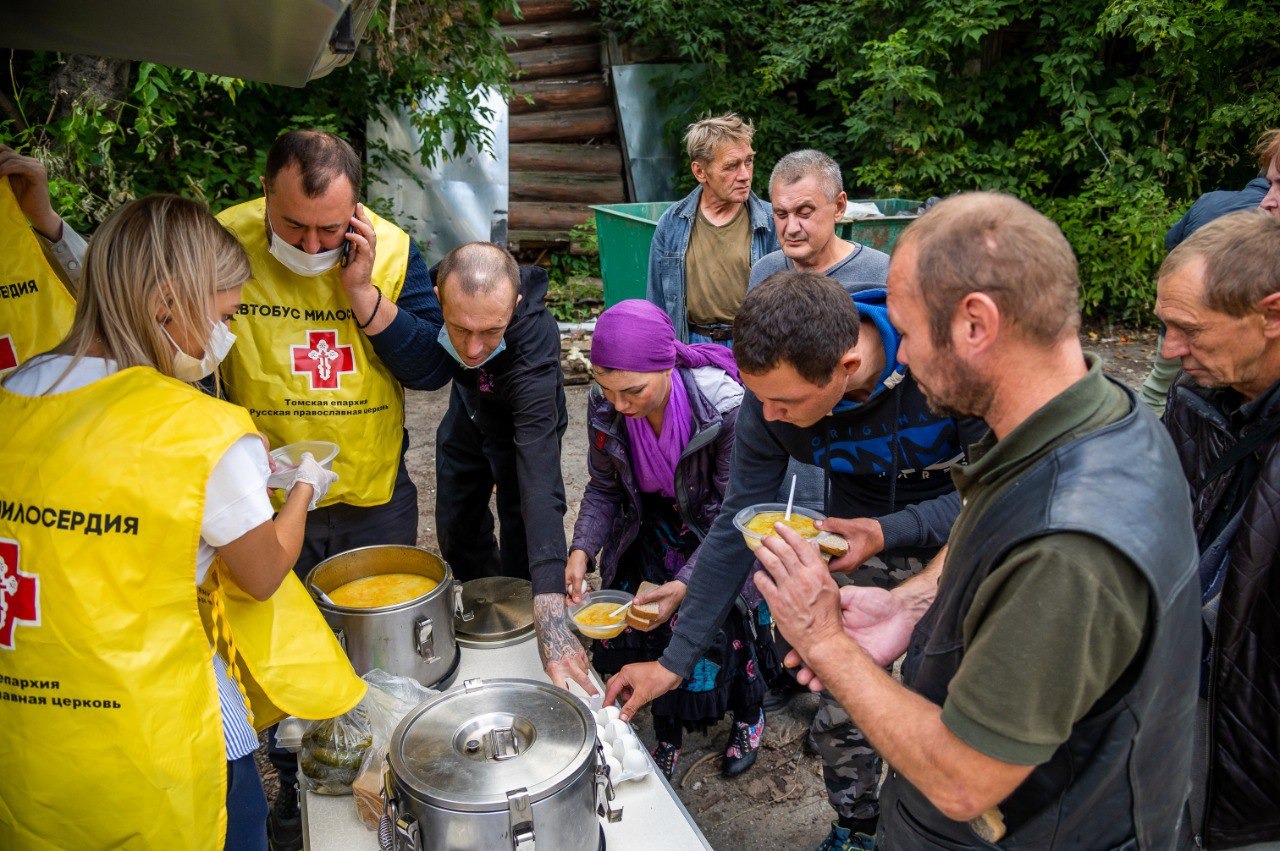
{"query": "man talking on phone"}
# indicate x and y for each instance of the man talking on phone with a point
(338, 318)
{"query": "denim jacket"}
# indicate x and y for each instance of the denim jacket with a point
(671, 242)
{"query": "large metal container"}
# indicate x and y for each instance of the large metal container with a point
(498, 764)
(412, 639)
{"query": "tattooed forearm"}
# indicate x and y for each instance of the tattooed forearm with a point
(555, 641)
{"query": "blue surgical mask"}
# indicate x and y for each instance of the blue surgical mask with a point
(443, 339)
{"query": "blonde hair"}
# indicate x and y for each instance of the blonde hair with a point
(702, 137)
(1268, 149)
(157, 250)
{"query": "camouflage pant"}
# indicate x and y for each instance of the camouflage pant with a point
(850, 766)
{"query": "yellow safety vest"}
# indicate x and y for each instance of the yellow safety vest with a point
(35, 308)
(303, 368)
(281, 652)
(110, 730)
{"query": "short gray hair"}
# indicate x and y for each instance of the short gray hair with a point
(1241, 254)
(702, 137)
(798, 165)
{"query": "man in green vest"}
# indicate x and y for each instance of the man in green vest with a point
(1045, 700)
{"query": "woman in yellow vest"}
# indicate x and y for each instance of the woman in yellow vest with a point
(122, 488)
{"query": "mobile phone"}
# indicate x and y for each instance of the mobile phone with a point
(345, 257)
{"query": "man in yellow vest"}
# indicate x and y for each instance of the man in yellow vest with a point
(338, 318)
(39, 264)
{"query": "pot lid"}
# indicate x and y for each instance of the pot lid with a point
(495, 608)
(469, 747)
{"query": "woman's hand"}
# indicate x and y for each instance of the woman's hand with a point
(575, 572)
(668, 596)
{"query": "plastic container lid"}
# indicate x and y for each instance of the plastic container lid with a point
(291, 455)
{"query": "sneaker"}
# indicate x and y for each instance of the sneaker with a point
(744, 747)
(666, 755)
(284, 822)
(844, 839)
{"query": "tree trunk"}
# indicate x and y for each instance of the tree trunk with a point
(94, 80)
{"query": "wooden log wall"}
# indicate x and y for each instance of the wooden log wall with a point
(563, 134)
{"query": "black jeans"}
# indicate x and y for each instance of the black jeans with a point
(335, 529)
(469, 465)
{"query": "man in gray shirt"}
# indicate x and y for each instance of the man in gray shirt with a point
(807, 198)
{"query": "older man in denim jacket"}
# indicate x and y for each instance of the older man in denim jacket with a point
(706, 243)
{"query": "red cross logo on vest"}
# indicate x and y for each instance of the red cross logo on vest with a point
(19, 594)
(323, 359)
(8, 357)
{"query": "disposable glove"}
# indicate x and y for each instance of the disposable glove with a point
(309, 471)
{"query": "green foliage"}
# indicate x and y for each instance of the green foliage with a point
(575, 294)
(1109, 115)
(205, 136)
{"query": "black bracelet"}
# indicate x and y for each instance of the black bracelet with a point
(375, 310)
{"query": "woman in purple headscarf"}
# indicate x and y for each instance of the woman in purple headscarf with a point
(661, 424)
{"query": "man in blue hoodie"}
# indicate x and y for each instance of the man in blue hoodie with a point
(825, 388)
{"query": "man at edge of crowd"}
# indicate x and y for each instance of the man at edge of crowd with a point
(1044, 700)
(1263, 192)
(1219, 298)
(705, 244)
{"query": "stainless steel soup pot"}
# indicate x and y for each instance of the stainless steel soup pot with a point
(498, 764)
(411, 639)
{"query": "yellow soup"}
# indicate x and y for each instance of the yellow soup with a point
(386, 589)
(762, 523)
(597, 614)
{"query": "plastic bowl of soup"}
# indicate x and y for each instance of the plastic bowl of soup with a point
(756, 521)
(590, 617)
(291, 455)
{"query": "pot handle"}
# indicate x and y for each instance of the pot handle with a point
(396, 832)
(341, 634)
(604, 790)
(520, 820)
(424, 640)
(458, 609)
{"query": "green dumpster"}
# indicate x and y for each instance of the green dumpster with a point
(625, 232)
(880, 232)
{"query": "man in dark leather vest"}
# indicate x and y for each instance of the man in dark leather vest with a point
(1046, 698)
(1219, 296)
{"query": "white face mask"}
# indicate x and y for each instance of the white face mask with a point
(188, 368)
(298, 261)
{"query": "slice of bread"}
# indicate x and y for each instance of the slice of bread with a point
(832, 544)
(643, 616)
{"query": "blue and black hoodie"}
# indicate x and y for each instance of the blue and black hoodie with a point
(887, 457)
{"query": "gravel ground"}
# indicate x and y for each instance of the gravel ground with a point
(780, 802)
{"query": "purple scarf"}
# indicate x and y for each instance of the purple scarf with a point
(637, 336)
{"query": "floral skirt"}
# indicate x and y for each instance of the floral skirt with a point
(732, 674)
